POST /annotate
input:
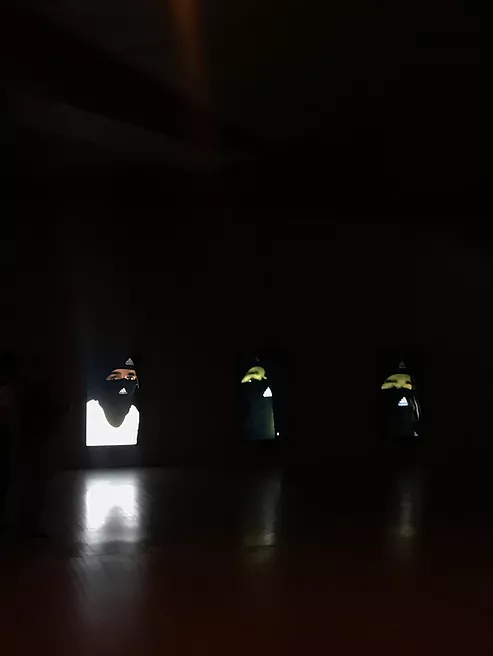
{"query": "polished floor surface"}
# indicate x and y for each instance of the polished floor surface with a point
(343, 559)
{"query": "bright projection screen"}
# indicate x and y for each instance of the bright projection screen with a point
(112, 416)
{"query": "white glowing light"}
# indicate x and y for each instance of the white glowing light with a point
(268, 393)
(403, 402)
(277, 433)
(101, 433)
(106, 500)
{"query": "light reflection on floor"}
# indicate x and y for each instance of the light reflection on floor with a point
(404, 523)
(259, 524)
(112, 508)
(255, 562)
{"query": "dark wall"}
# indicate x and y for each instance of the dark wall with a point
(453, 329)
(309, 244)
(187, 290)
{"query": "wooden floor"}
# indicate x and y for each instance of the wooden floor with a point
(336, 560)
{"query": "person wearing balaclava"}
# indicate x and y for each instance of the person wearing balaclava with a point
(112, 417)
(258, 409)
(400, 406)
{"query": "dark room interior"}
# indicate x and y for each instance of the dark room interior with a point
(209, 187)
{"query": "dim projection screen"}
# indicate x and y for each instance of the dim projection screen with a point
(257, 421)
(112, 417)
(401, 403)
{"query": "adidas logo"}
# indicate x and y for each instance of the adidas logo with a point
(123, 391)
(402, 365)
(130, 362)
(267, 393)
(403, 402)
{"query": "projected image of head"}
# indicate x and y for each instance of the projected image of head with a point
(257, 408)
(112, 415)
(399, 404)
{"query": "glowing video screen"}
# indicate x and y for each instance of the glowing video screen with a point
(257, 416)
(401, 405)
(112, 416)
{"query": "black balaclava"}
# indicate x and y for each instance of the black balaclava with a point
(117, 396)
(257, 410)
(401, 406)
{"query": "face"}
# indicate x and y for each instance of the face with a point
(122, 374)
(399, 381)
